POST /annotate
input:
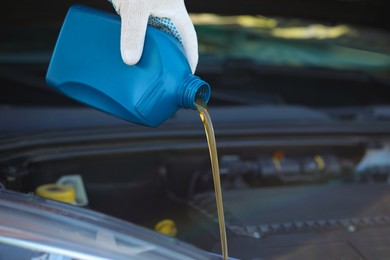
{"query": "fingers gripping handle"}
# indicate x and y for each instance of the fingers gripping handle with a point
(170, 16)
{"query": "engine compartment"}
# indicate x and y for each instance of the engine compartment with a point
(294, 189)
(147, 185)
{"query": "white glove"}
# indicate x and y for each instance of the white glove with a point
(167, 15)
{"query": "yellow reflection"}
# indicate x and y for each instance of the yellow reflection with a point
(314, 31)
(241, 20)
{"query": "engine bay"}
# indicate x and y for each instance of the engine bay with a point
(298, 195)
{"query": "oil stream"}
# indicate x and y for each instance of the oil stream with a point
(208, 126)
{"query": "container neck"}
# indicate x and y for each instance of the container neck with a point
(194, 88)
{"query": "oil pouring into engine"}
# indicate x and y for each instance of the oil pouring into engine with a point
(87, 66)
(201, 106)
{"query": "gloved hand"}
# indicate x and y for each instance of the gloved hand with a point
(168, 15)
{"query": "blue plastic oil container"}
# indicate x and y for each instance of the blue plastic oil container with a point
(87, 66)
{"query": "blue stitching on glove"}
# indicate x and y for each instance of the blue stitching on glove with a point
(166, 25)
(162, 23)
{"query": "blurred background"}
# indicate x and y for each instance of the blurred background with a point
(301, 109)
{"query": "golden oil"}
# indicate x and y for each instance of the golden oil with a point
(208, 126)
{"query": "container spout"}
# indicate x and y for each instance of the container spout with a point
(194, 88)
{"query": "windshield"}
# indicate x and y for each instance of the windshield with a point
(247, 59)
(293, 42)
